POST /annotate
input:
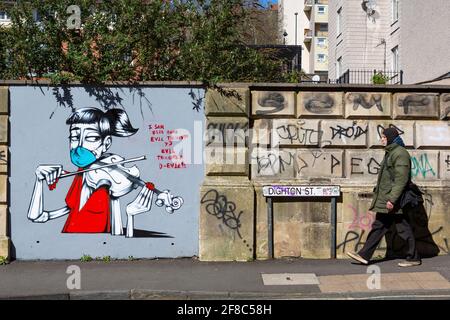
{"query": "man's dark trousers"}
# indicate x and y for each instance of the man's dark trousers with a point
(380, 226)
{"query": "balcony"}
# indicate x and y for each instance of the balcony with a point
(308, 5)
(308, 35)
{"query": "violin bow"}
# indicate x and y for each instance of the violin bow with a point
(103, 166)
(69, 174)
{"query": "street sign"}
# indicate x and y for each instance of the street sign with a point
(301, 191)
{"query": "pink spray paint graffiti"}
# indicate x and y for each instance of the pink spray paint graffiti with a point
(361, 220)
(362, 223)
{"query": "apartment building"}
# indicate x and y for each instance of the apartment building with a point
(390, 35)
(305, 23)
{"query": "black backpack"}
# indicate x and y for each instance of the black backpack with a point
(411, 195)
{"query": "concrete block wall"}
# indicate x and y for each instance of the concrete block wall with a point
(332, 136)
(168, 137)
(4, 237)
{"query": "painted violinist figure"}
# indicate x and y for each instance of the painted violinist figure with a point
(92, 202)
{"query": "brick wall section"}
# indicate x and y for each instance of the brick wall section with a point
(330, 136)
(4, 239)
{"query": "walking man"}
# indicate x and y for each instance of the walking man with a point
(393, 177)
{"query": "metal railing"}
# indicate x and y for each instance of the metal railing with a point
(370, 77)
(289, 55)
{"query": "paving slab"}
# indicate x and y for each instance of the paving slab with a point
(289, 279)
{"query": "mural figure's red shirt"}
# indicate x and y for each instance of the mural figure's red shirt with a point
(94, 216)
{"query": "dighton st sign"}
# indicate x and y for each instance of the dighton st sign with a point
(301, 191)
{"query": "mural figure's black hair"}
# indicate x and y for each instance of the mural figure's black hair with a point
(114, 122)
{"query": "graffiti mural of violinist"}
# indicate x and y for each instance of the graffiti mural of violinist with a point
(92, 202)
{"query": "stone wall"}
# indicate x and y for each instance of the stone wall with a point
(313, 135)
(227, 195)
(263, 134)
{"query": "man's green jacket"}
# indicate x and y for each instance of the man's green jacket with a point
(393, 176)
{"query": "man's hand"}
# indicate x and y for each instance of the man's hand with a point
(389, 205)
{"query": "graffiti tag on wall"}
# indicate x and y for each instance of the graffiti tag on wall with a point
(421, 167)
(219, 206)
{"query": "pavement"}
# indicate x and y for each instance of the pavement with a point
(190, 279)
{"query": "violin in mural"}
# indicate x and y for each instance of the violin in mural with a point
(92, 202)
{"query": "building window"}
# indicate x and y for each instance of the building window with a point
(338, 67)
(4, 16)
(394, 6)
(321, 30)
(321, 42)
(395, 59)
(321, 10)
(321, 57)
(339, 21)
(323, 27)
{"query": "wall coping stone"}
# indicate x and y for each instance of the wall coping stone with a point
(250, 85)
